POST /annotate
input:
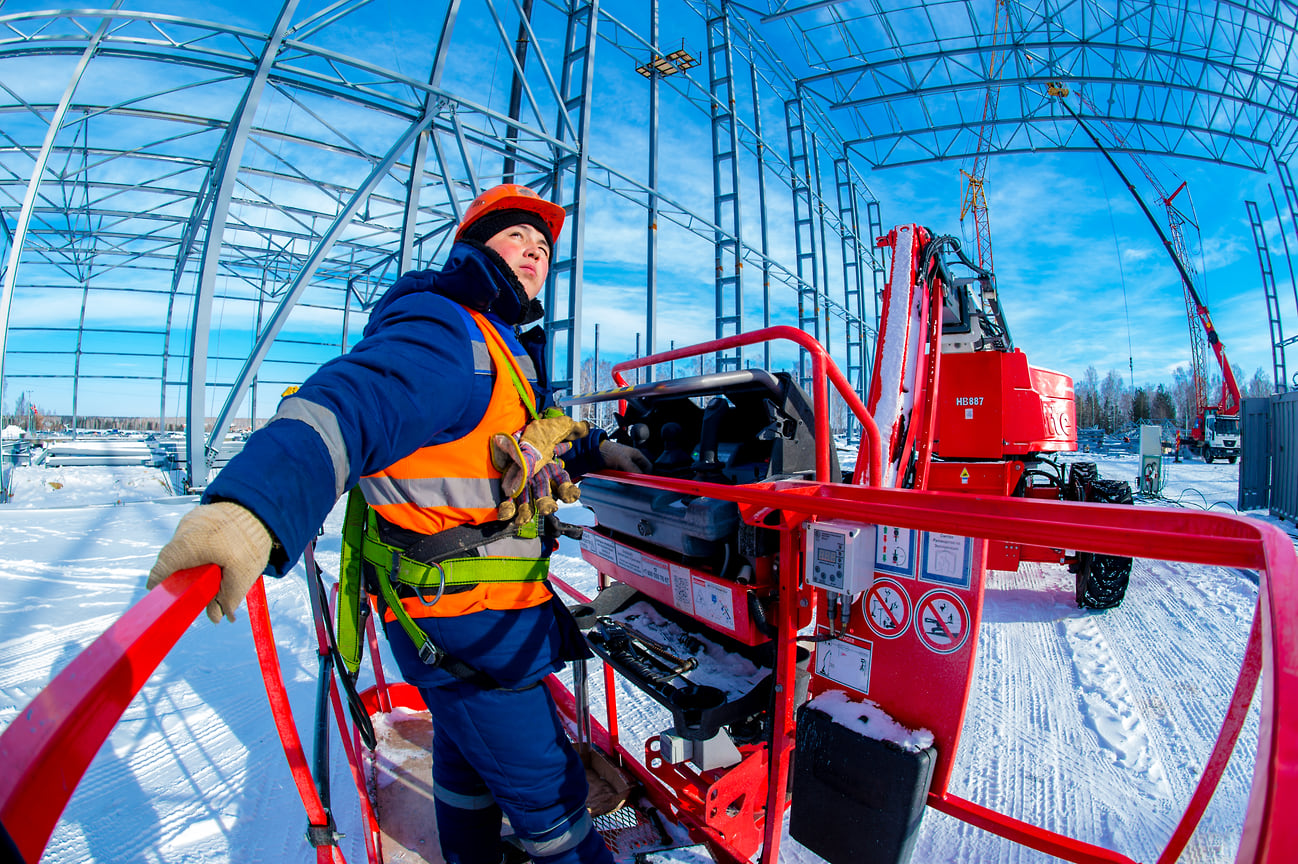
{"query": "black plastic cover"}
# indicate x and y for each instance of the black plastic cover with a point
(856, 800)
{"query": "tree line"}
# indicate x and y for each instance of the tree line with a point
(1110, 403)
(1113, 404)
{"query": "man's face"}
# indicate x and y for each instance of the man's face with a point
(527, 254)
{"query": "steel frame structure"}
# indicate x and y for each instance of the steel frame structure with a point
(203, 210)
(1202, 80)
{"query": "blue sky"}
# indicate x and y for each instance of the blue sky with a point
(1083, 277)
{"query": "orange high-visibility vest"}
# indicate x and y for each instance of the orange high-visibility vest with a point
(446, 485)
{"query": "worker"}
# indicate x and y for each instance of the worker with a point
(418, 414)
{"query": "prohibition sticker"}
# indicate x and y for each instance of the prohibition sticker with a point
(887, 608)
(941, 621)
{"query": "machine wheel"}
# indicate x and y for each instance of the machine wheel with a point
(1207, 457)
(1082, 475)
(1231, 459)
(1101, 580)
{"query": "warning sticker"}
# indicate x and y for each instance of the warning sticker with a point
(846, 662)
(887, 608)
(682, 597)
(948, 560)
(642, 565)
(598, 545)
(714, 603)
(894, 550)
(942, 621)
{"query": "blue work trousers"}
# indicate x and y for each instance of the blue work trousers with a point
(502, 750)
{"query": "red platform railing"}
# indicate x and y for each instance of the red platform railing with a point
(823, 372)
(46, 749)
(1163, 534)
(48, 746)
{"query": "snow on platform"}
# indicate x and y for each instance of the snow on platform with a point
(1096, 724)
(41, 486)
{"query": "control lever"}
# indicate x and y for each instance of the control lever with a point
(779, 424)
(554, 528)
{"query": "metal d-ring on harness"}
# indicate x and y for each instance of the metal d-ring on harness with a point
(441, 579)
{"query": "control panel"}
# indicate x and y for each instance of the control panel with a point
(840, 556)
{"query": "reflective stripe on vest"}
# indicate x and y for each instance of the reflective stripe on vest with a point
(454, 483)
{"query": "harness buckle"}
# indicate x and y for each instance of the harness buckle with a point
(430, 654)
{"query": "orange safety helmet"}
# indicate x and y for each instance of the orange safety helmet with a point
(512, 196)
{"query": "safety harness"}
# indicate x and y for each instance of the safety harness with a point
(418, 571)
(434, 562)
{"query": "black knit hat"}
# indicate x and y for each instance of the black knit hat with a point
(493, 223)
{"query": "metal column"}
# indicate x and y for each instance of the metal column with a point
(651, 251)
(853, 283)
(197, 460)
(1268, 287)
(804, 231)
(761, 207)
(728, 238)
(819, 203)
(564, 320)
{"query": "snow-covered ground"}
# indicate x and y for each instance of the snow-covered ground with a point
(1095, 724)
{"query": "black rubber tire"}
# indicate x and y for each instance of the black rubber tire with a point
(1231, 459)
(1101, 580)
(1207, 457)
(1082, 475)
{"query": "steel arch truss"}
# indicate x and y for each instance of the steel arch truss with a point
(195, 209)
(1201, 80)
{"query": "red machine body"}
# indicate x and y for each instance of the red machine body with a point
(993, 405)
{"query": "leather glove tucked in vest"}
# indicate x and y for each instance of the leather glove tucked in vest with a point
(551, 481)
(621, 457)
(521, 455)
(227, 535)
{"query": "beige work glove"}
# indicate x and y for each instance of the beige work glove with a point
(551, 481)
(519, 456)
(227, 535)
(621, 457)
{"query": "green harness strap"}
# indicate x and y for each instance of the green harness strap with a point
(392, 568)
(352, 605)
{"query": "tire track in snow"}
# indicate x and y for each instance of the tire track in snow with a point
(35, 659)
(1109, 708)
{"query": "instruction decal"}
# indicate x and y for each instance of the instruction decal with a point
(642, 565)
(942, 621)
(598, 545)
(887, 608)
(714, 603)
(894, 550)
(847, 663)
(947, 560)
(682, 596)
